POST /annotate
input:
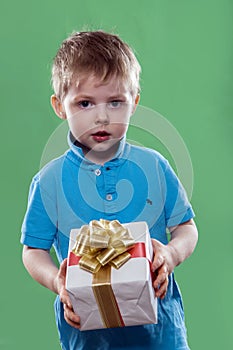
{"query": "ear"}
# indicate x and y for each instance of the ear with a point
(136, 101)
(57, 107)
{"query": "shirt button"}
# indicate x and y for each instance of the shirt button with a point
(97, 172)
(109, 197)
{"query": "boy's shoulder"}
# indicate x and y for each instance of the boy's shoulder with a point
(147, 154)
(51, 169)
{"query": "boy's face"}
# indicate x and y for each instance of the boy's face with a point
(98, 115)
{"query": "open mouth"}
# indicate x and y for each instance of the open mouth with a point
(100, 136)
(101, 133)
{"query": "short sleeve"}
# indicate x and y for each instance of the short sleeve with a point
(177, 207)
(39, 224)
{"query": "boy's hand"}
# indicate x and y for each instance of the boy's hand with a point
(162, 266)
(167, 257)
(71, 318)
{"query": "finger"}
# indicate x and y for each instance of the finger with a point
(162, 275)
(63, 268)
(161, 292)
(163, 295)
(71, 323)
(71, 314)
(157, 262)
(65, 299)
(64, 296)
(71, 317)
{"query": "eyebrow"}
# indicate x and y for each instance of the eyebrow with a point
(86, 97)
(117, 96)
(89, 97)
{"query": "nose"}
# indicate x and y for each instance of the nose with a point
(102, 116)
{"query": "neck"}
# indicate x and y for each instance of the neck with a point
(97, 157)
(100, 157)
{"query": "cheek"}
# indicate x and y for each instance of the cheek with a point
(78, 126)
(119, 129)
(121, 116)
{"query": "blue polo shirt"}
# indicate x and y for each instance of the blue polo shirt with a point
(138, 184)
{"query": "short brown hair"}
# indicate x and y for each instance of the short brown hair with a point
(99, 53)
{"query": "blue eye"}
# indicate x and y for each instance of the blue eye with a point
(115, 104)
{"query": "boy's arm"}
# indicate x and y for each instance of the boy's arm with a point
(167, 257)
(41, 267)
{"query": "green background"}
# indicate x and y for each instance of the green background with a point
(185, 49)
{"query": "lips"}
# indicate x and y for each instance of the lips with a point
(101, 136)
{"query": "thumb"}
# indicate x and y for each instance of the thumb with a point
(158, 259)
(64, 296)
(63, 268)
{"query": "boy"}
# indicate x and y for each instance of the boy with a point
(96, 83)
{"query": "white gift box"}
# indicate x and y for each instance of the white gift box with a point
(131, 285)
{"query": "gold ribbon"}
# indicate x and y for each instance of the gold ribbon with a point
(101, 245)
(106, 299)
(103, 242)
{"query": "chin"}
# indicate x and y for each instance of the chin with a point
(102, 148)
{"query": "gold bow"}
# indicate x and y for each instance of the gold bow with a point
(103, 242)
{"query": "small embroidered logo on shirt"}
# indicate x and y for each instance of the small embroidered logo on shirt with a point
(149, 201)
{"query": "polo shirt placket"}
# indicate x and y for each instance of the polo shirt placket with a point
(106, 179)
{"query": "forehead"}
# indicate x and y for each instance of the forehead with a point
(93, 84)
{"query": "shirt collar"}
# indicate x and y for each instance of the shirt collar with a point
(79, 155)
